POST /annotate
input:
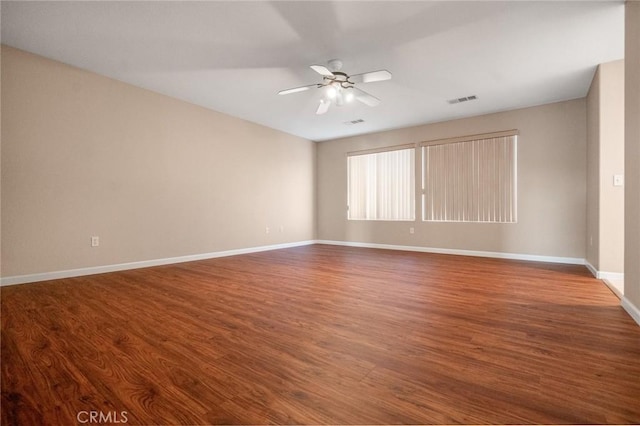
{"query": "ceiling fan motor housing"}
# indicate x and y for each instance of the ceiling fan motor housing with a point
(340, 78)
(335, 65)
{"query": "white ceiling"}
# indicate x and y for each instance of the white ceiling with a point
(234, 56)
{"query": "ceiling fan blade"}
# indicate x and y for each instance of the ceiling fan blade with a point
(323, 107)
(370, 77)
(322, 70)
(297, 89)
(365, 97)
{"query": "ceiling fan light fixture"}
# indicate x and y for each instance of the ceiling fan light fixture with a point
(349, 96)
(323, 107)
(331, 92)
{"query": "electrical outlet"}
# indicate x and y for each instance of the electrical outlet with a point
(95, 241)
(281, 229)
(267, 230)
(412, 230)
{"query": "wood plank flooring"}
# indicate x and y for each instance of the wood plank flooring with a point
(318, 335)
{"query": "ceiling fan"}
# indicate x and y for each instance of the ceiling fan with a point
(339, 88)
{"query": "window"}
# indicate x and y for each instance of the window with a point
(471, 179)
(381, 185)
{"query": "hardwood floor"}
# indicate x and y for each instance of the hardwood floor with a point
(321, 334)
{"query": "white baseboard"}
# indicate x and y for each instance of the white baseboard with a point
(591, 268)
(499, 255)
(613, 276)
(631, 309)
(611, 279)
(23, 279)
(604, 275)
(616, 287)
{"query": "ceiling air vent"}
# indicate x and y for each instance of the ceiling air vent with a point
(352, 122)
(465, 99)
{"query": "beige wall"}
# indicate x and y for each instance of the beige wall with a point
(551, 186)
(593, 172)
(632, 154)
(605, 136)
(152, 176)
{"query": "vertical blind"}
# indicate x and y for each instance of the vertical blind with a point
(381, 185)
(470, 181)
